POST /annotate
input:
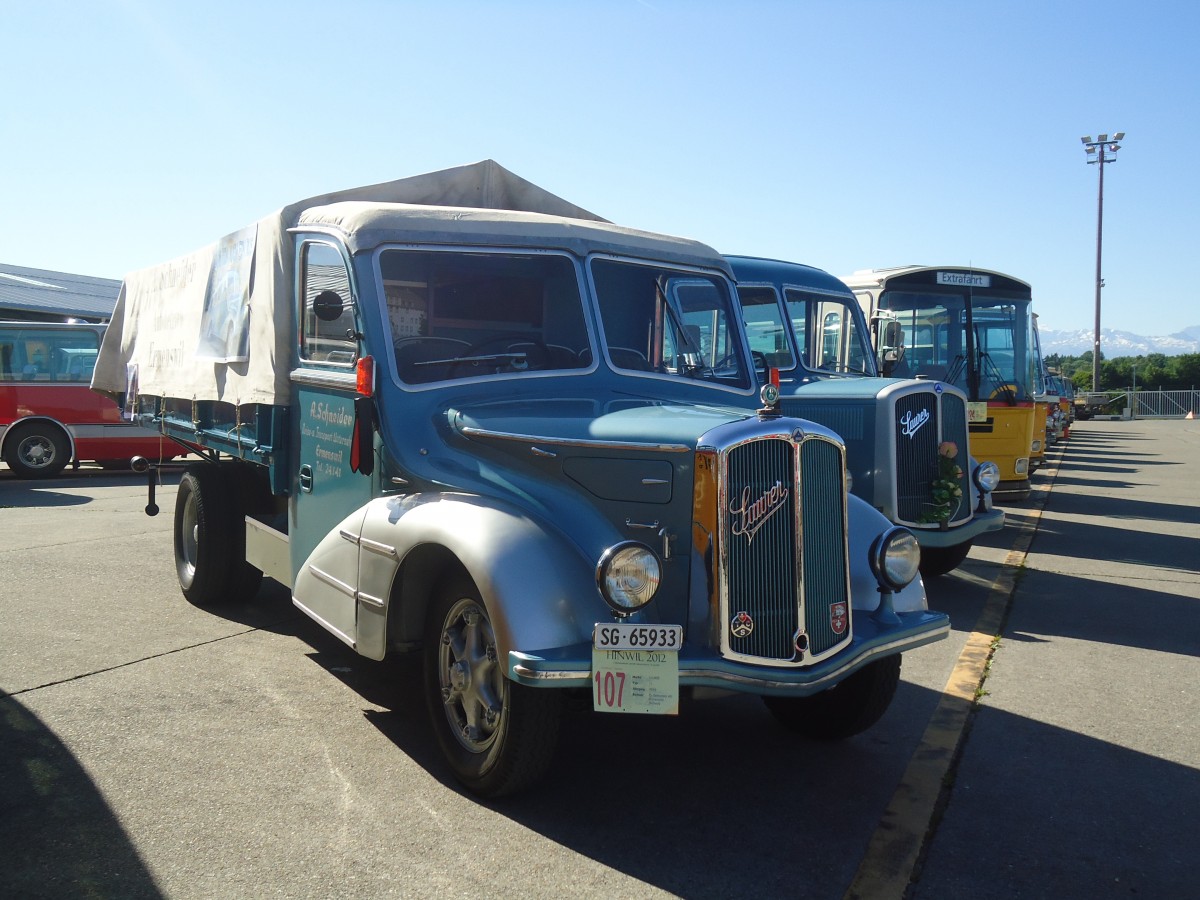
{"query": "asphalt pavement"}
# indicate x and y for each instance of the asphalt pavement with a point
(1080, 775)
(149, 748)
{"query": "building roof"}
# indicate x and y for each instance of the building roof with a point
(42, 294)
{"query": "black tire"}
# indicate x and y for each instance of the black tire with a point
(498, 736)
(937, 561)
(848, 708)
(37, 450)
(210, 540)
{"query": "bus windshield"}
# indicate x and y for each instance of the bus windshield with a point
(977, 343)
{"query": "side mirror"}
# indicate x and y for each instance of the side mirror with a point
(328, 306)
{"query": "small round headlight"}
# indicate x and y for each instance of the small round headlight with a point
(986, 476)
(895, 558)
(628, 575)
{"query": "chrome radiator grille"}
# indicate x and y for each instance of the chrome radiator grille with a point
(923, 421)
(785, 589)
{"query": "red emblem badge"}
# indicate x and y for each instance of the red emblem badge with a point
(839, 617)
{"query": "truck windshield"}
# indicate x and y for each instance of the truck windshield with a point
(664, 321)
(455, 314)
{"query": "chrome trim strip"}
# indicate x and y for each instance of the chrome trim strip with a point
(342, 381)
(469, 431)
(378, 548)
(372, 601)
(348, 535)
(335, 583)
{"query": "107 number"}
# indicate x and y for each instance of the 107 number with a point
(610, 689)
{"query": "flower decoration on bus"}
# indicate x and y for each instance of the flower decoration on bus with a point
(945, 491)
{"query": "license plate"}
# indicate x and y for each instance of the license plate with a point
(624, 636)
(635, 669)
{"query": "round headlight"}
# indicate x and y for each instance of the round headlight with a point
(895, 558)
(628, 575)
(986, 476)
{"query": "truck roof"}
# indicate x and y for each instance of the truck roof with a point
(364, 225)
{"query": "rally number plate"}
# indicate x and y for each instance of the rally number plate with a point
(635, 668)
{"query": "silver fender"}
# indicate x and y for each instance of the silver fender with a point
(865, 524)
(539, 590)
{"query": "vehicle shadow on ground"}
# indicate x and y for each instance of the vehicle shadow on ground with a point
(31, 493)
(1131, 617)
(58, 837)
(1041, 811)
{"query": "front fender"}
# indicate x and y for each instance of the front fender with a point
(865, 524)
(538, 588)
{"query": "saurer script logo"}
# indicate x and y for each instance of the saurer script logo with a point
(749, 517)
(910, 424)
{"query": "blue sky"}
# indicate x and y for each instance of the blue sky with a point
(845, 135)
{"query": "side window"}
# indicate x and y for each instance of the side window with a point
(49, 355)
(327, 317)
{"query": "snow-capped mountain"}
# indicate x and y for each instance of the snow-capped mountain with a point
(1119, 343)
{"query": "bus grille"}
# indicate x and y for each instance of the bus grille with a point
(786, 589)
(923, 421)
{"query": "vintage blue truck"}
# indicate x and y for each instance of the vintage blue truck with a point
(906, 439)
(461, 417)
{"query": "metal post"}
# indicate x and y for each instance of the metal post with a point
(1104, 151)
(1099, 278)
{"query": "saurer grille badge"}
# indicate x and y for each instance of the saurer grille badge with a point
(751, 516)
(838, 617)
(911, 423)
(742, 625)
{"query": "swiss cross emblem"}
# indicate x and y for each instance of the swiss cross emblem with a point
(839, 617)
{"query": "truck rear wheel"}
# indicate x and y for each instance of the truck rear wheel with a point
(937, 561)
(210, 540)
(850, 707)
(498, 736)
(37, 450)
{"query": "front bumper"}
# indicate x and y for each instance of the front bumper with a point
(571, 667)
(992, 520)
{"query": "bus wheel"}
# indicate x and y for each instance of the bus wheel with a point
(847, 708)
(210, 540)
(37, 450)
(498, 736)
(937, 561)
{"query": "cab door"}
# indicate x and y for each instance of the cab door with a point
(329, 496)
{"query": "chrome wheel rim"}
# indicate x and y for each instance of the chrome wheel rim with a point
(472, 683)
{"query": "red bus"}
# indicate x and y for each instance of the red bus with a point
(49, 415)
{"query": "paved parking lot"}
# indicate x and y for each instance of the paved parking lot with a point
(149, 748)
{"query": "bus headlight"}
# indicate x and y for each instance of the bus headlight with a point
(986, 476)
(628, 575)
(895, 558)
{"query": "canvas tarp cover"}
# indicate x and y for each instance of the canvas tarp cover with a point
(163, 334)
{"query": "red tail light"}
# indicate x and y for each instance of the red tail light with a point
(365, 377)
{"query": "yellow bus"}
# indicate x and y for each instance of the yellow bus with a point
(970, 328)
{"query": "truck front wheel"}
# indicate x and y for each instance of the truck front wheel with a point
(498, 736)
(210, 540)
(847, 708)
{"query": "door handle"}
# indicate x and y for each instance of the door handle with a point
(306, 479)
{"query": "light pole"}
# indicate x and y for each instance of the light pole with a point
(1099, 152)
